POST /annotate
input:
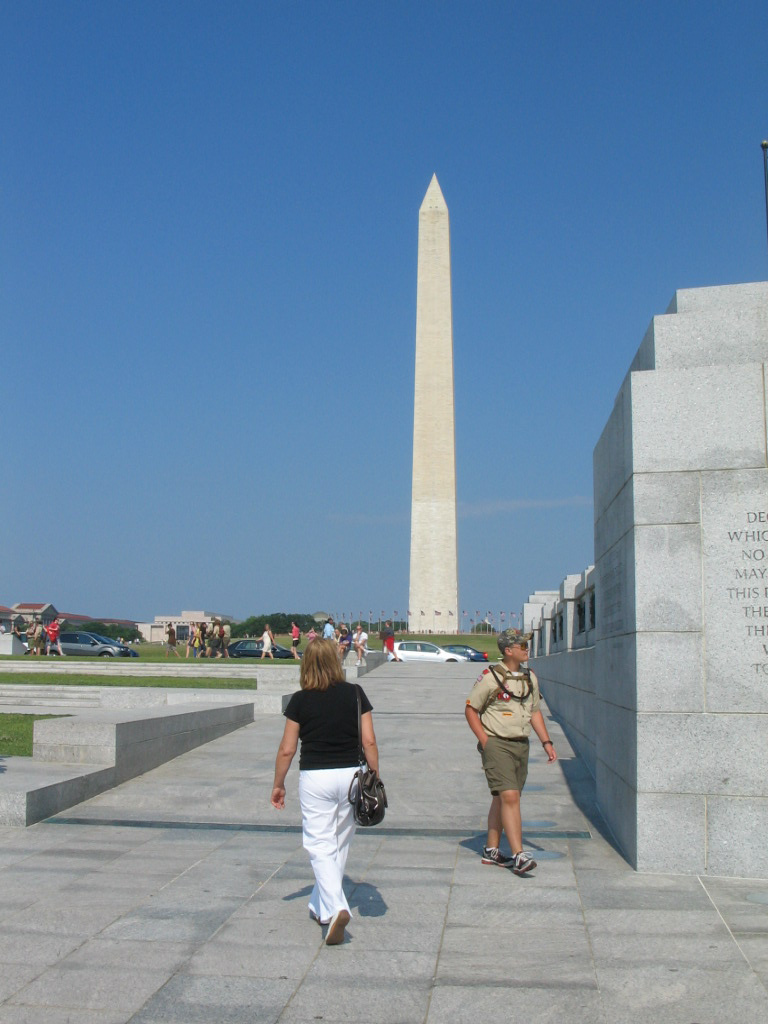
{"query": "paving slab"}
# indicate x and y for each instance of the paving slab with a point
(181, 896)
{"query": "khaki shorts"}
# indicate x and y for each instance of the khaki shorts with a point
(505, 763)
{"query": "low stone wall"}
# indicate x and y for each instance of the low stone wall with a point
(78, 757)
(567, 683)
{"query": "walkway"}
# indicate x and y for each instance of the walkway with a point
(180, 897)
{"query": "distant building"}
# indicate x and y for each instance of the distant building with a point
(154, 632)
(30, 610)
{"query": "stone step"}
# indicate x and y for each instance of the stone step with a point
(40, 696)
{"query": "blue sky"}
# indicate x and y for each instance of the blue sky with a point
(209, 215)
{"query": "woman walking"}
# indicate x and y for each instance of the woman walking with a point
(267, 639)
(323, 716)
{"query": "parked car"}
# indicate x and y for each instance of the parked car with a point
(91, 645)
(470, 653)
(253, 649)
(422, 650)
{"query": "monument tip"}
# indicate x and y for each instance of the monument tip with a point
(434, 199)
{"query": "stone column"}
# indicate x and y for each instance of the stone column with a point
(433, 598)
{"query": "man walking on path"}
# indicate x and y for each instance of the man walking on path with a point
(501, 710)
(53, 629)
(170, 640)
(388, 642)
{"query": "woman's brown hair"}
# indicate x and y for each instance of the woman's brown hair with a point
(320, 666)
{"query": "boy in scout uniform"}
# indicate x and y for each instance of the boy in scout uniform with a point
(501, 710)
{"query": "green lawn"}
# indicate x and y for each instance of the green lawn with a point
(16, 734)
(167, 683)
(156, 653)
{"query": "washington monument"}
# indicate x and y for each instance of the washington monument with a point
(433, 597)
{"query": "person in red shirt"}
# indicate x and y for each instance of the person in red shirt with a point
(53, 629)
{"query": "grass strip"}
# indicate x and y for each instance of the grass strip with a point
(166, 682)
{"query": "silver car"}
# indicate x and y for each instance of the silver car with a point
(91, 645)
(422, 650)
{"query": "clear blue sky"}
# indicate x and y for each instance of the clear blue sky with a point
(209, 214)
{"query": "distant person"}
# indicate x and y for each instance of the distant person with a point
(194, 630)
(267, 640)
(37, 646)
(322, 716)
(170, 640)
(501, 710)
(295, 638)
(213, 640)
(53, 630)
(329, 629)
(190, 640)
(388, 645)
(311, 635)
(360, 641)
(226, 638)
(203, 630)
(22, 635)
(345, 642)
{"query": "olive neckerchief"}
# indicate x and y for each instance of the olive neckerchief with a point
(527, 692)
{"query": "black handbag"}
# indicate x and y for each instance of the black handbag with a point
(366, 790)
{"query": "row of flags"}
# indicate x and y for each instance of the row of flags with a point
(342, 616)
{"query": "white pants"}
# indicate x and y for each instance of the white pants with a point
(328, 825)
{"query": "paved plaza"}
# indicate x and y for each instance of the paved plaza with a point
(181, 896)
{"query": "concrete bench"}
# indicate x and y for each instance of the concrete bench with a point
(75, 758)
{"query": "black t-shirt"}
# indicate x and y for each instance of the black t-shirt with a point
(327, 722)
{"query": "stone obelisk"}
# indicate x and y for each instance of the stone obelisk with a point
(433, 598)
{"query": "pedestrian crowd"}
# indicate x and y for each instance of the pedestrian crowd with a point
(41, 639)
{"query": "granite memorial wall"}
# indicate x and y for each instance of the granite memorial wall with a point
(674, 721)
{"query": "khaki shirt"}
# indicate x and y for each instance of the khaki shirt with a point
(499, 712)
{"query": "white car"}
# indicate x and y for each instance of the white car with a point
(422, 650)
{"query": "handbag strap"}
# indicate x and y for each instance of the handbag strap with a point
(360, 754)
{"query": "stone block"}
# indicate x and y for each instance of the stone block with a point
(709, 417)
(615, 587)
(612, 458)
(615, 672)
(11, 645)
(738, 298)
(617, 803)
(736, 831)
(615, 520)
(665, 498)
(734, 522)
(669, 672)
(670, 757)
(667, 572)
(671, 832)
(618, 746)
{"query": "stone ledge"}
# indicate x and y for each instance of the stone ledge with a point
(20, 697)
(78, 757)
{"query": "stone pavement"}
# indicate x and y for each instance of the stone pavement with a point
(180, 897)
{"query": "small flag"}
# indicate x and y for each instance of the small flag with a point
(437, 612)
(450, 613)
(421, 613)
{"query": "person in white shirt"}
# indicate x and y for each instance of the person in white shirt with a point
(360, 641)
